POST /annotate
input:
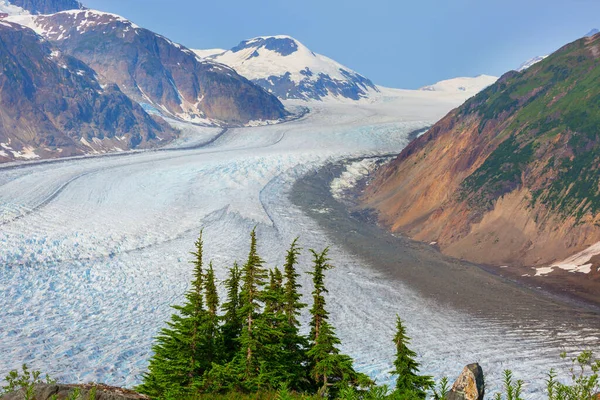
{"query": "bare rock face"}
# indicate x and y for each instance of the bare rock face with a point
(45, 392)
(469, 385)
(52, 105)
(153, 70)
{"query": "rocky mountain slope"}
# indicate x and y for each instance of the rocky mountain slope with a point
(152, 69)
(47, 6)
(285, 67)
(512, 176)
(51, 104)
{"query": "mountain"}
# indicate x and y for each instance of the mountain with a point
(466, 85)
(512, 177)
(151, 69)
(7, 8)
(52, 105)
(47, 6)
(530, 63)
(285, 67)
(208, 52)
(592, 32)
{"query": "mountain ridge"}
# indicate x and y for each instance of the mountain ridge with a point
(52, 105)
(285, 67)
(515, 169)
(154, 70)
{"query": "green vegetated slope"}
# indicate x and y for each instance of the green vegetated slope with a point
(511, 177)
(551, 143)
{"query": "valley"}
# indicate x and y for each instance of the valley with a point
(96, 249)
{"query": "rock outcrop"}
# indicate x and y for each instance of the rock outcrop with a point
(52, 105)
(469, 385)
(65, 392)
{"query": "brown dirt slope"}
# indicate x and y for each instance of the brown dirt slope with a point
(511, 177)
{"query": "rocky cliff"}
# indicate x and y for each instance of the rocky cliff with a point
(512, 176)
(153, 70)
(52, 105)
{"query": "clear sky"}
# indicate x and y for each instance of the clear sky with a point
(396, 43)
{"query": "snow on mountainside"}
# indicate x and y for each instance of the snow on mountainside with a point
(47, 6)
(285, 67)
(466, 85)
(530, 63)
(209, 52)
(153, 70)
(10, 9)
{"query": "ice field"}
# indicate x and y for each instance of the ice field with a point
(93, 251)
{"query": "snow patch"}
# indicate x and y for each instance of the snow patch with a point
(579, 262)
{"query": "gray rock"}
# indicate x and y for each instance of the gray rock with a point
(45, 392)
(469, 385)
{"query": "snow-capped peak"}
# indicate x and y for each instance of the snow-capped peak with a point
(289, 69)
(10, 9)
(462, 84)
(530, 63)
(82, 20)
(209, 52)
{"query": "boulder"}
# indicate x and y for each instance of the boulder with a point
(469, 385)
(63, 392)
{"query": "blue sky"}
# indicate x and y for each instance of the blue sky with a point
(395, 43)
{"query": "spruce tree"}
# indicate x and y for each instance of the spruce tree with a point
(212, 331)
(181, 351)
(232, 320)
(330, 370)
(408, 383)
(273, 358)
(296, 345)
(292, 303)
(252, 298)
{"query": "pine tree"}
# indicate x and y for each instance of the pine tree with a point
(181, 351)
(295, 344)
(252, 298)
(292, 305)
(409, 383)
(330, 370)
(213, 337)
(232, 321)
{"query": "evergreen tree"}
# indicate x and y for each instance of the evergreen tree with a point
(295, 344)
(232, 320)
(292, 303)
(252, 300)
(330, 370)
(274, 295)
(273, 358)
(409, 383)
(181, 350)
(213, 337)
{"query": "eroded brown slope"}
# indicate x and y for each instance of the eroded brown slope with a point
(511, 177)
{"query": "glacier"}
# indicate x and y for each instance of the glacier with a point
(96, 249)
